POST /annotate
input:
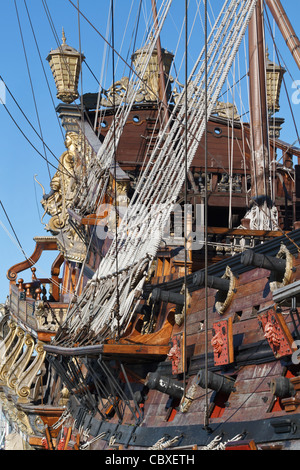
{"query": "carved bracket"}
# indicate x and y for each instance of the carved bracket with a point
(224, 299)
(42, 244)
(7, 342)
(26, 379)
(18, 368)
(13, 355)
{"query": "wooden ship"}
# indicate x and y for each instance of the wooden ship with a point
(160, 339)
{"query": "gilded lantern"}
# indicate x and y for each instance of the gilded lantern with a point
(65, 63)
(274, 75)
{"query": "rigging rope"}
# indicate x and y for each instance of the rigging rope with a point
(90, 190)
(206, 415)
(164, 443)
(216, 443)
(140, 233)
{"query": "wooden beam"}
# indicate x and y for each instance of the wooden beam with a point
(41, 245)
(285, 28)
(258, 106)
(113, 349)
(55, 269)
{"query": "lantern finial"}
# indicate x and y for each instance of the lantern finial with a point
(63, 37)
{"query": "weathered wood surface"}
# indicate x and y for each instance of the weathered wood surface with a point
(252, 398)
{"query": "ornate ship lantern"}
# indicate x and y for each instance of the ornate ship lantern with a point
(274, 76)
(65, 63)
(274, 81)
(151, 77)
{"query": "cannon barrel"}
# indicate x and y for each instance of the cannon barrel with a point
(213, 282)
(155, 381)
(167, 296)
(282, 387)
(216, 382)
(249, 258)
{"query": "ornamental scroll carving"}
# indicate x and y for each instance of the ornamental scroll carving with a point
(223, 299)
(21, 363)
(7, 342)
(15, 416)
(26, 379)
(15, 352)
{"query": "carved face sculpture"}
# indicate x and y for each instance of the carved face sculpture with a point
(71, 140)
(174, 354)
(217, 343)
(271, 335)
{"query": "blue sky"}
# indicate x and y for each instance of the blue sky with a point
(19, 193)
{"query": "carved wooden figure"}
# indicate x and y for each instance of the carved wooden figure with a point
(276, 332)
(222, 342)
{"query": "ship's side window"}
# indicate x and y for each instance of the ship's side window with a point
(217, 132)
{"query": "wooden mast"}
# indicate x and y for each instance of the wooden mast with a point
(162, 84)
(261, 188)
(285, 28)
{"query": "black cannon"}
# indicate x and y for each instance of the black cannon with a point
(155, 381)
(216, 382)
(249, 258)
(282, 387)
(167, 296)
(213, 282)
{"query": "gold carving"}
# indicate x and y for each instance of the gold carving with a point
(223, 300)
(283, 253)
(64, 397)
(179, 312)
(23, 422)
(7, 342)
(63, 187)
(14, 354)
(48, 319)
(26, 379)
(15, 416)
(65, 63)
(226, 110)
(149, 89)
(21, 364)
(63, 192)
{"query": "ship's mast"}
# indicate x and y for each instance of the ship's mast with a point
(162, 85)
(285, 28)
(261, 188)
(263, 213)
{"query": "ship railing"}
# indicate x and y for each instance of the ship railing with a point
(34, 310)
